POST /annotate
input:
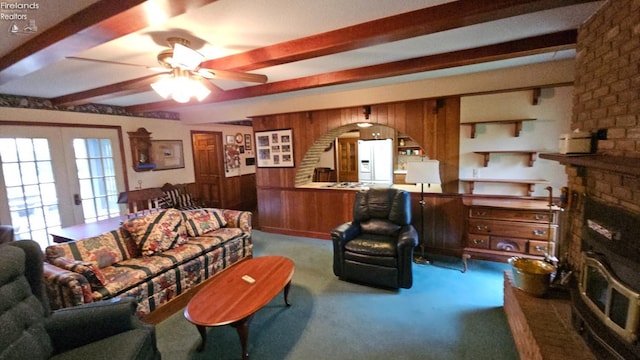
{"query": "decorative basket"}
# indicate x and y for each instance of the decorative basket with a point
(531, 276)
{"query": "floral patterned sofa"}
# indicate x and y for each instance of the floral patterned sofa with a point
(152, 258)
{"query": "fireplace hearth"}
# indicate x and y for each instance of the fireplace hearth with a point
(606, 300)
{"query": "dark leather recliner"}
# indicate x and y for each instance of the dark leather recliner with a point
(29, 330)
(377, 246)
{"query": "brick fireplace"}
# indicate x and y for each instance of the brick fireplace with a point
(606, 102)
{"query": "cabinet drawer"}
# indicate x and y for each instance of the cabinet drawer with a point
(512, 229)
(478, 241)
(508, 244)
(506, 214)
(540, 247)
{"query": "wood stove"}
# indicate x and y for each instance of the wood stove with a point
(606, 300)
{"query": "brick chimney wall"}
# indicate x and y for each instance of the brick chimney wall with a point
(606, 97)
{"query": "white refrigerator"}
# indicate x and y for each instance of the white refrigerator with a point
(375, 161)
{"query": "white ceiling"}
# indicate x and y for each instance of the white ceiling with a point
(226, 27)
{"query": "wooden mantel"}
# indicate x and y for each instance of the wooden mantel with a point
(619, 164)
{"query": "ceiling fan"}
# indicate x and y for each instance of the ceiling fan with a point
(186, 73)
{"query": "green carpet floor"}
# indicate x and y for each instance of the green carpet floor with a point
(445, 315)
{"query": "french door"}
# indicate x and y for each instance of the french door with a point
(53, 177)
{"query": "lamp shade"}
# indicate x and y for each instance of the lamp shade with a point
(423, 172)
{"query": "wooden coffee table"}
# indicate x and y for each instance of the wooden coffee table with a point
(227, 299)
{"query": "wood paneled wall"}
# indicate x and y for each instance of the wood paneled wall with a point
(433, 123)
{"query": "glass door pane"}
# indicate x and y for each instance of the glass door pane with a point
(55, 177)
(30, 187)
(97, 179)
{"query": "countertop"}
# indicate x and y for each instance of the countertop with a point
(362, 186)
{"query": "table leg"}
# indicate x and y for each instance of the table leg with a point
(465, 258)
(242, 328)
(286, 293)
(203, 334)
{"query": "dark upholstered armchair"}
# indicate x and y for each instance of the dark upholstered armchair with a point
(377, 246)
(29, 330)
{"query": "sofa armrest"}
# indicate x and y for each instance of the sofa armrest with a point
(74, 327)
(238, 219)
(65, 288)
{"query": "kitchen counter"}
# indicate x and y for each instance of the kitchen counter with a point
(363, 186)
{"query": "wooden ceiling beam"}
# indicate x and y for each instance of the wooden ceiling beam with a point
(135, 86)
(507, 50)
(100, 22)
(393, 28)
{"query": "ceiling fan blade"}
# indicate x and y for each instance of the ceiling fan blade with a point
(154, 68)
(185, 57)
(232, 75)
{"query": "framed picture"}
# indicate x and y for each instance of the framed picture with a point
(247, 141)
(274, 148)
(167, 154)
(230, 139)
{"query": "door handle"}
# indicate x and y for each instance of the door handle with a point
(76, 199)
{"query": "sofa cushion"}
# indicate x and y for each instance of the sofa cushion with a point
(102, 250)
(87, 269)
(132, 272)
(157, 232)
(202, 221)
(164, 202)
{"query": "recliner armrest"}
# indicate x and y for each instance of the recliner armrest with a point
(76, 326)
(345, 232)
(408, 236)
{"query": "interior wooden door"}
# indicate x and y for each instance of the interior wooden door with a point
(208, 166)
(348, 159)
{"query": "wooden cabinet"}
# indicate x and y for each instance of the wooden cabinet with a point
(399, 178)
(377, 132)
(140, 143)
(498, 229)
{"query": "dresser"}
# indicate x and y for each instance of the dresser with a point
(497, 229)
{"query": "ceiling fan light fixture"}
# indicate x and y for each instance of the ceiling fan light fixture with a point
(199, 90)
(181, 87)
(164, 87)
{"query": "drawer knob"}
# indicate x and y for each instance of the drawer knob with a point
(539, 217)
(538, 232)
(478, 241)
(481, 213)
(508, 247)
(482, 227)
(540, 248)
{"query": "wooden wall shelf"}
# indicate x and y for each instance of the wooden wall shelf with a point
(516, 122)
(620, 164)
(486, 154)
(529, 182)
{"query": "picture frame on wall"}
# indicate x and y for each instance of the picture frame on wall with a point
(274, 148)
(247, 141)
(167, 154)
(230, 139)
